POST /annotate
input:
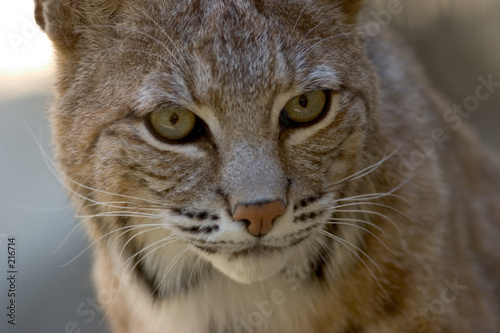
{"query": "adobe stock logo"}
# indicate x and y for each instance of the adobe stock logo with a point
(382, 17)
(453, 118)
(484, 90)
(421, 319)
(28, 31)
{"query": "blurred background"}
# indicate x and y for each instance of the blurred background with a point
(457, 41)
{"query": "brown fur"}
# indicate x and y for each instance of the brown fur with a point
(433, 225)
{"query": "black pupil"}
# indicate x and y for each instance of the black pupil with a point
(174, 119)
(303, 101)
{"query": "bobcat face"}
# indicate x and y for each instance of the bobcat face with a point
(215, 133)
(211, 143)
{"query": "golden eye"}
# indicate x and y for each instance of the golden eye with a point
(172, 122)
(306, 107)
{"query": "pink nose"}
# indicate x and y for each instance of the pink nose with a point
(259, 217)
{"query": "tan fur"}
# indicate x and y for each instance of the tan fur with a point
(415, 245)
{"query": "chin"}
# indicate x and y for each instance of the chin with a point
(250, 268)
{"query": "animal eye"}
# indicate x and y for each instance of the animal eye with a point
(172, 122)
(305, 108)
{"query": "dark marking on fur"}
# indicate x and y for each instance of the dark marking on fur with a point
(332, 227)
(201, 215)
(147, 280)
(224, 196)
(299, 240)
(255, 251)
(354, 328)
(207, 249)
(390, 306)
(110, 132)
(148, 275)
(141, 271)
(259, 250)
(395, 298)
(318, 266)
(162, 193)
(320, 269)
(187, 280)
(208, 229)
(307, 201)
(121, 222)
(308, 216)
(140, 169)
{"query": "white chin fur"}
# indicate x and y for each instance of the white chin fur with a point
(248, 270)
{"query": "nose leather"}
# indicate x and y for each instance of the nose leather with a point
(259, 217)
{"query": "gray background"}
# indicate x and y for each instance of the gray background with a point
(457, 41)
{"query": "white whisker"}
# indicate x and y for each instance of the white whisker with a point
(345, 242)
(346, 245)
(369, 169)
(59, 175)
(119, 203)
(358, 221)
(85, 218)
(366, 212)
(120, 214)
(370, 196)
(134, 236)
(102, 237)
(171, 265)
(366, 230)
(336, 208)
(130, 272)
(193, 269)
(163, 242)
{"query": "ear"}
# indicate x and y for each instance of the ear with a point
(39, 14)
(58, 19)
(70, 23)
(351, 8)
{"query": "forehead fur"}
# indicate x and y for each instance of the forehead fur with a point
(227, 28)
(221, 53)
(232, 49)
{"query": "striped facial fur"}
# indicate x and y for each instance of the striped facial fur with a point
(245, 149)
(228, 155)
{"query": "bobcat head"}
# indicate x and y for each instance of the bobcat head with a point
(207, 129)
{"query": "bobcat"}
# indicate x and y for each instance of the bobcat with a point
(263, 166)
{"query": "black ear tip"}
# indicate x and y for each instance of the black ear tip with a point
(39, 14)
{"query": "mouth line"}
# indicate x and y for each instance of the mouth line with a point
(255, 250)
(260, 250)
